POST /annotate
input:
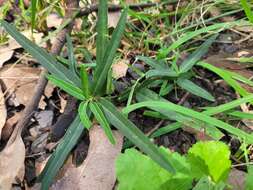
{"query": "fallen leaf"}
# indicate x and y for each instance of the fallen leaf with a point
(20, 80)
(9, 126)
(119, 69)
(113, 19)
(3, 112)
(237, 179)
(53, 20)
(97, 171)
(12, 163)
(5, 56)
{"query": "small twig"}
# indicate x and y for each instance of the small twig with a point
(42, 82)
(183, 98)
(155, 128)
(112, 8)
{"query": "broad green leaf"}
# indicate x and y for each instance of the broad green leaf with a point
(62, 151)
(249, 177)
(195, 89)
(71, 57)
(99, 115)
(161, 73)
(85, 81)
(137, 171)
(226, 76)
(205, 183)
(210, 158)
(191, 113)
(82, 111)
(102, 70)
(67, 87)
(102, 32)
(156, 64)
(33, 12)
(190, 61)
(45, 59)
(128, 129)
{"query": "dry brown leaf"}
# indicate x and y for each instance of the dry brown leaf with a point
(53, 20)
(119, 69)
(20, 80)
(97, 172)
(9, 126)
(12, 163)
(5, 56)
(237, 179)
(113, 19)
(3, 112)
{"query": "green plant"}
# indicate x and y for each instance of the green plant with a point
(179, 75)
(90, 90)
(206, 162)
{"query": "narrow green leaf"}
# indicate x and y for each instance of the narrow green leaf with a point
(247, 9)
(189, 35)
(226, 76)
(85, 81)
(99, 115)
(82, 111)
(67, 87)
(102, 70)
(161, 73)
(190, 61)
(45, 59)
(62, 151)
(156, 64)
(71, 56)
(102, 32)
(195, 89)
(127, 128)
(188, 112)
(33, 12)
(241, 115)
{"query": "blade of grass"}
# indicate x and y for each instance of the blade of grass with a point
(71, 56)
(99, 115)
(128, 129)
(188, 112)
(247, 9)
(161, 73)
(33, 13)
(188, 63)
(102, 70)
(85, 81)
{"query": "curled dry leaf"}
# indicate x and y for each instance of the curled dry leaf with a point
(21, 81)
(119, 69)
(97, 172)
(3, 112)
(12, 163)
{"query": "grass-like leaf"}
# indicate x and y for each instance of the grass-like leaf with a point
(188, 63)
(156, 64)
(45, 59)
(33, 12)
(247, 9)
(85, 81)
(128, 129)
(60, 154)
(71, 56)
(67, 87)
(102, 32)
(102, 70)
(195, 89)
(196, 115)
(161, 73)
(99, 115)
(82, 111)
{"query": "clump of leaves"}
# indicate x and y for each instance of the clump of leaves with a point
(206, 162)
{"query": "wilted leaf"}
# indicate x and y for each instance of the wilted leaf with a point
(113, 19)
(12, 163)
(3, 112)
(119, 69)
